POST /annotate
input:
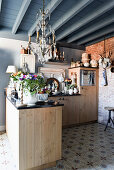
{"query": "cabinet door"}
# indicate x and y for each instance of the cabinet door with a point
(70, 111)
(65, 108)
(88, 104)
(87, 77)
(73, 104)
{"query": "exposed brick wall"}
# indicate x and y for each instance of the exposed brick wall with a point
(106, 93)
(98, 48)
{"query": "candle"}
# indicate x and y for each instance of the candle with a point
(29, 39)
(53, 38)
(37, 35)
(63, 55)
(49, 41)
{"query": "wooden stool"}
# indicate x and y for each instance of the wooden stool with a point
(109, 116)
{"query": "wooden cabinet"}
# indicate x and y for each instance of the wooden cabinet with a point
(74, 110)
(88, 88)
(70, 114)
(35, 136)
(81, 108)
(88, 105)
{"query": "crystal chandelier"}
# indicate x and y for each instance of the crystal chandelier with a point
(45, 47)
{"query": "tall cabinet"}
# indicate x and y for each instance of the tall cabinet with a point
(87, 82)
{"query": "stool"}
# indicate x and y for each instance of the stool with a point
(109, 116)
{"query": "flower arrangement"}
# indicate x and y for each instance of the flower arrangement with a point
(32, 83)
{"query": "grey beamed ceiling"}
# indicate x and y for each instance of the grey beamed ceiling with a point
(82, 22)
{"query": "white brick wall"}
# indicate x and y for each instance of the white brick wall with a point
(106, 96)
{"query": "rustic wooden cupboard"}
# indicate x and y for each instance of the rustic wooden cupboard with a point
(87, 82)
(84, 107)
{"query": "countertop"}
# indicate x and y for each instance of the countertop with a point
(38, 105)
(62, 95)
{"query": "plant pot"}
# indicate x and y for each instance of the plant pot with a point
(75, 90)
(29, 99)
(70, 91)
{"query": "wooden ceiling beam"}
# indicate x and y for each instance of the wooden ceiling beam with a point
(103, 32)
(51, 7)
(95, 14)
(110, 35)
(0, 4)
(70, 14)
(20, 15)
(100, 24)
(6, 33)
(70, 45)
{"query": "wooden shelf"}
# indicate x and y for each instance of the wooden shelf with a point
(57, 63)
(84, 67)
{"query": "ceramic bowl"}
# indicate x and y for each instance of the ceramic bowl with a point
(86, 64)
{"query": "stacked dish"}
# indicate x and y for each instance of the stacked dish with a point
(85, 59)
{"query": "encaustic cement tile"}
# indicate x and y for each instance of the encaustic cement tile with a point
(104, 164)
(85, 147)
(61, 165)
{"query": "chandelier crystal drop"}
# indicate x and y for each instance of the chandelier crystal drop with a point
(45, 47)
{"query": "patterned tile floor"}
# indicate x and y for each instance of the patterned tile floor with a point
(85, 147)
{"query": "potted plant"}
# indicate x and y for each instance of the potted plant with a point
(32, 84)
(72, 89)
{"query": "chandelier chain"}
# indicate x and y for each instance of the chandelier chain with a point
(46, 47)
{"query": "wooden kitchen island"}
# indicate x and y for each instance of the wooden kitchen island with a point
(35, 134)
